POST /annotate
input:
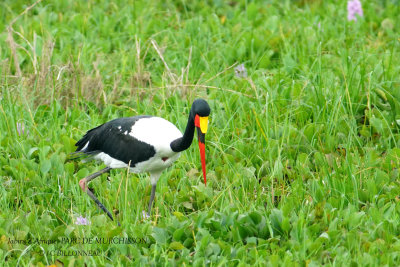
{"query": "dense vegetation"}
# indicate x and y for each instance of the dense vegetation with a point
(302, 154)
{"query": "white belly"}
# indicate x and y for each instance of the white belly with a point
(153, 164)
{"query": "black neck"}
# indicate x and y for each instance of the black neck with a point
(185, 141)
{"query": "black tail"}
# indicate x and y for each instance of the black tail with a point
(86, 138)
(86, 156)
(79, 152)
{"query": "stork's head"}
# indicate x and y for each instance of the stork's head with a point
(201, 110)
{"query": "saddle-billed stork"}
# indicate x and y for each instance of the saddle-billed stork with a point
(143, 144)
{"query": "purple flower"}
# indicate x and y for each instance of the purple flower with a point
(354, 8)
(319, 26)
(21, 129)
(144, 215)
(240, 71)
(82, 221)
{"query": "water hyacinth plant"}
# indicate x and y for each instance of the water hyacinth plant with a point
(21, 129)
(82, 221)
(144, 215)
(354, 8)
(240, 71)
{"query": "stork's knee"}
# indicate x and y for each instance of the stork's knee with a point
(82, 184)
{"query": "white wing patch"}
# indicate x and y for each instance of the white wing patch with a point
(157, 132)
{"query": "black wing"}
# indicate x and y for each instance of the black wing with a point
(111, 138)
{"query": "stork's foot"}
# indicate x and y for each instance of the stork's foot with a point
(83, 185)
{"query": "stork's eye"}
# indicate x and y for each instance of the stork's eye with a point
(164, 158)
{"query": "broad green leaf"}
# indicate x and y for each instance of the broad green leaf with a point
(160, 235)
(176, 245)
(45, 166)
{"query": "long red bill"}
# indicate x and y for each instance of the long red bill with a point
(203, 159)
(201, 124)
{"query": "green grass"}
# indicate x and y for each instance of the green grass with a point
(303, 156)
